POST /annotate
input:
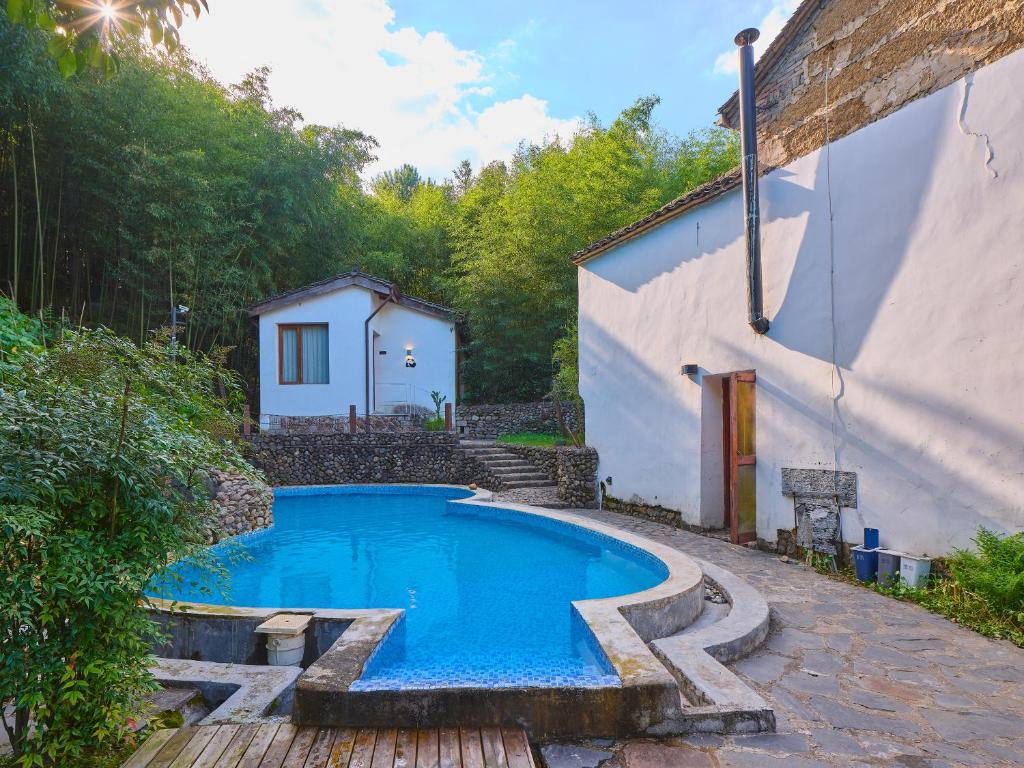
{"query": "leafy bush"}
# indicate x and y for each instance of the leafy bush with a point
(434, 425)
(103, 445)
(995, 572)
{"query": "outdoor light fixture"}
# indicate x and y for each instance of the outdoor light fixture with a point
(690, 369)
(410, 361)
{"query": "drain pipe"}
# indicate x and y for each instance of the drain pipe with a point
(748, 146)
(393, 296)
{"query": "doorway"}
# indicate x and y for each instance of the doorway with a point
(739, 455)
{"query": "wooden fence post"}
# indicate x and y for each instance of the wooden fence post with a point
(246, 421)
(447, 417)
(352, 420)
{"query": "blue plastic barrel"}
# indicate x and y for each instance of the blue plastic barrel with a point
(865, 563)
(871, 538)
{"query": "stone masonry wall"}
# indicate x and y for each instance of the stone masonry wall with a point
(490, 421)
(573, 470)
(577, 476)
(242, 504)
(856, 61)
(404, 457)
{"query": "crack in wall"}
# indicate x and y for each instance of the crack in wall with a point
(962, 123)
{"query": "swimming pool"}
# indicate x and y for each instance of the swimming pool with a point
(487, 591)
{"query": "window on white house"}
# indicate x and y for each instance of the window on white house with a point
(302, 353)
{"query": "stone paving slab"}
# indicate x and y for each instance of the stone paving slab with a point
(855, 678)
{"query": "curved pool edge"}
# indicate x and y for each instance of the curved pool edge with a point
(343, 641)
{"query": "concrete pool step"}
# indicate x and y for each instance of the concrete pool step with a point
(282, 745)
(526, 483)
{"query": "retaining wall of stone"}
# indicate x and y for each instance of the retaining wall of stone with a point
(487, 422)
(651, 512)
(242, 504)
(573, 470)
(403, 457)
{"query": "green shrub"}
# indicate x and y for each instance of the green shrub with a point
(995, 572)
(434, 425)
(102, 451)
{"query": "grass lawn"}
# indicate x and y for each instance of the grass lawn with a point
(543, 439)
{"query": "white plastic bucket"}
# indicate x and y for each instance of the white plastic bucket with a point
(285, 650)
(914, 570)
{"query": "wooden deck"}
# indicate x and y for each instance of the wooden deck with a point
(287, 746)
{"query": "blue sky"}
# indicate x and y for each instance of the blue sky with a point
(440, 80)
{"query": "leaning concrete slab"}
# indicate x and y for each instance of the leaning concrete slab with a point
(247, 693)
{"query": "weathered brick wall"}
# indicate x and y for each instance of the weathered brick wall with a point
(856, 61)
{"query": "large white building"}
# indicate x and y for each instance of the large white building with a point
(893, 280)
(353, 340)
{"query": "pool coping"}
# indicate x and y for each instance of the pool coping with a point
(646, 700)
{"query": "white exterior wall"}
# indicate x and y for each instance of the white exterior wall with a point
(433, 346)
(929, 300)
(345, 311)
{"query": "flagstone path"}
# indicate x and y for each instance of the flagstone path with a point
(855, 678)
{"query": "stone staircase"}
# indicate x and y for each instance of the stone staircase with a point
(512, 470)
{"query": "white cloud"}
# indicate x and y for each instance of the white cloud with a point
(425, 100)
(727, 62)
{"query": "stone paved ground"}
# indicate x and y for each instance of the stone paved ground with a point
(855, 678)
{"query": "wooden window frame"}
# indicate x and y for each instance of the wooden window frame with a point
(297, 327)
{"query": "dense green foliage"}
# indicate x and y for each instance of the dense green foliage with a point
(82, 34)
(122, 196)
(103, 445)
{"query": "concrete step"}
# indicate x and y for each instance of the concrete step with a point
(507, 463)
(487, 452)
(526, 483)
(503, 476)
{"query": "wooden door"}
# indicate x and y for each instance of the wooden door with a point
(739, 441)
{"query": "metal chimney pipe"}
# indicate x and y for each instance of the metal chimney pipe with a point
(752, 212)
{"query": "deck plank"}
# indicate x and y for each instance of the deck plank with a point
(426, 749)
(448, 748)
(259, 745)
(494, 749)
(321, 749)
(270, 745)
(301, 744)
(405, 749)
(384, 750)
(194, 748)
(341, 752)
(517, 748)
(208, 757)
(173, 748)
(362, 752)
(150, 748)
(232, 754)
(279, 747)
(472, 750)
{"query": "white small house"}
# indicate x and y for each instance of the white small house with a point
(352, 340)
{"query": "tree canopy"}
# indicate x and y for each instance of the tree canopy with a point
(125, 194)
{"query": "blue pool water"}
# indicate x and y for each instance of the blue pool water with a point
(486, 590)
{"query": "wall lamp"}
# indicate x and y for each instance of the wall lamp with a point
(690, 369)
(410, 361)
